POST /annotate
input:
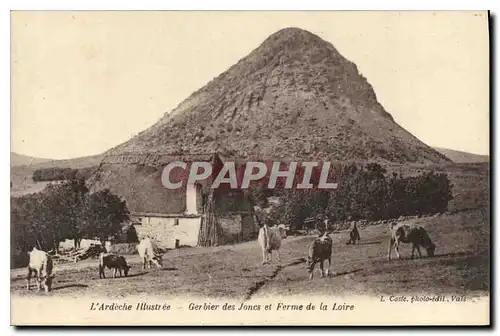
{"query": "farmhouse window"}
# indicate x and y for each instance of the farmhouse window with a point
(176, 221)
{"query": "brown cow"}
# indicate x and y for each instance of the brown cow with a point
(353, 234)
(319, 251)
(414, 234)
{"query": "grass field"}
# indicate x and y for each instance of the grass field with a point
(461, 266)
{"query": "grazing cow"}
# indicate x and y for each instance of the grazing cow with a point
(270, 240)
(109, 260)
(319, 251)
(147, 254)
(414, 234)
(41, 265)
(353, 234)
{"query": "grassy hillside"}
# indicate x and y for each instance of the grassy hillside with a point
(461, 266)
(21, 160)
(462, 157)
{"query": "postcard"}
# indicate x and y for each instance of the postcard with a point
(232, 168)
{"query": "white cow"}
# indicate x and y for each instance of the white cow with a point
(41, 265)
(270, 240)
(147, 254)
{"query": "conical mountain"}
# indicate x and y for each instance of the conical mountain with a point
(294, 96)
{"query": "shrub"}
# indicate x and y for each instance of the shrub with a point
(61, 174)
(364, 192)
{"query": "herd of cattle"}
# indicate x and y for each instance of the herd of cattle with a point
(320, 250)
(41, 264)
(269, 239)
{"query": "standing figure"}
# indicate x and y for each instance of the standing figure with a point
(353, 234)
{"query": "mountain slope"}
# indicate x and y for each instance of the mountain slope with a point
(294, 96)
(462, 157)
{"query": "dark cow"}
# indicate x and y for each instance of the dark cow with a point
(353, 234)
(319, 251)
(118, 263)
(414, 234)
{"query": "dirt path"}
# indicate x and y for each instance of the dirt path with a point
(259, 284)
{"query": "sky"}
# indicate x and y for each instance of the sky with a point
(84, 82)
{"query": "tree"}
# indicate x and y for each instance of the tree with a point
(64, 204)
(21, 235)
(342, 201)
(396, 196)
(373, 192)
(58, 174)
(60, 212)
(103, 213)
(367, 193)
(433, 191)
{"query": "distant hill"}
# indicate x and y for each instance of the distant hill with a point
(23, 167)
(76, 163)
(24, 160)
(462, 157)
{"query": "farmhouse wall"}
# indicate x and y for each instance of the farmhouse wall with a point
(191, 199)
(238, 227)
(167, 230)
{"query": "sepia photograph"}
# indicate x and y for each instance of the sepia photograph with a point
(285, 168)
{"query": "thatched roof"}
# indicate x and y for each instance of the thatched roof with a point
(137, 179)
(159, 159)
